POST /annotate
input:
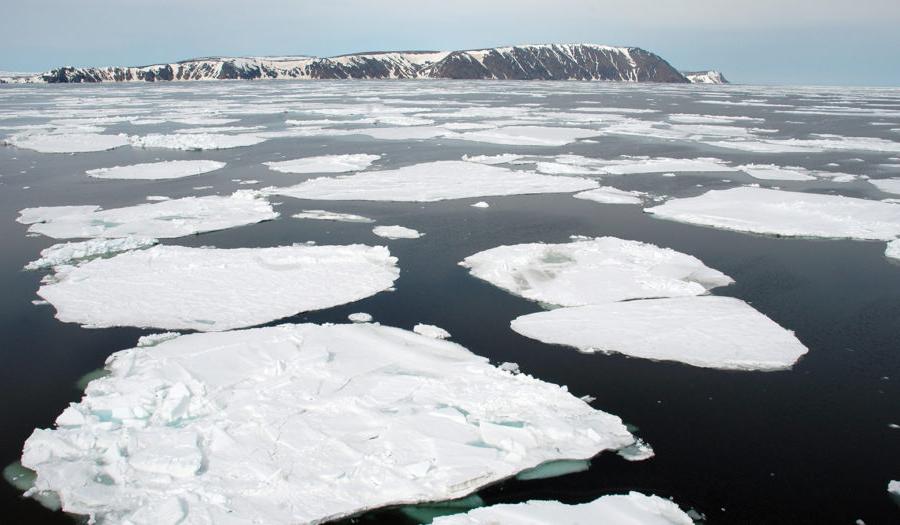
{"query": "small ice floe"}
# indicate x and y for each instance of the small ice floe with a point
(433, 181)
(155, 339)
(707, 331)
(589, 271)
(291, 424)
(432, 331)
(610, 195)
(166, 219)
(794, 214)
(643, 165)
(209, 289)
(402, 132)
(360, 317)
(638, 451)
(171, 169)
(157, 198)
(396, 232)
(634, 508)
(68, 142)
(195, 141)
(72, 252)
(528, 135)
(504, 158)
(480, 204)
(893, 249)
(324, 164)
(773, 172)
(323, 215)
(512, 368)
(887, 185)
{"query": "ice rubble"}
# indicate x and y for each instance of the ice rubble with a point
(610, 195)
(774, 212)
(165, 219)
(589, 271)
(209, 289)
(432, 331)
(302, 424)
(631, 509)
(68, 142)
(887, 185)
(324, 215)
(325, 164)
(171, 169)
(396, 232)
(710, 332)
(71, 252)
(433, 181)
(195, 141)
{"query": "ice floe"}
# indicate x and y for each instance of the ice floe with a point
(433, 181)
(432, 331)
(774, 212)
(396, 232)
(893, 249)
(528, 135)
(610, 195)
(325, 164)
(171, 169)
(504, 158)
(589, 271)
(360, 317)
(480, 204)
(71, 252)
(210, 289)
(631, 509)
(773, 172)
(68, 142)
(887, 185)
(165, 219)
(195, 141)
(303, 424)
(324, 215)
(707, 331)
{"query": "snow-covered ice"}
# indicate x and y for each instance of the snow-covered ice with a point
(360, 317)
(589, 271)
(396, 232)
(68, 142)
(528, 135)
(324, 215)
(325, 164)
(773, 172)
(433, 181)
(706, 331)
(195, 141)
(209, 289)
(171, 169)
(165, 219)
(794, 214)
(610, 195)
(71, 252)
(887, 185)
(504, 158)
(432, 331)
(302, 424)
(631, 509)
(893, 249)
(480, 204)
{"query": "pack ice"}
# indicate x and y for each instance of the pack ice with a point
(324, 164)
(298, 424)
(633, 508)
(793, 214)
(171, 169)
(165, 219)
(433, 181)
(208, 289)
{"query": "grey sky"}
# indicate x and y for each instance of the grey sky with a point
(789, 41)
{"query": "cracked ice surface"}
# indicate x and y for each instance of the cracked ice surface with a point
(793, 214)
(207, 289)
(165, 219)
(300, 424)
(631, 509)
(589, 271)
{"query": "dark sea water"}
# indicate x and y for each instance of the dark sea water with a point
(807, 445)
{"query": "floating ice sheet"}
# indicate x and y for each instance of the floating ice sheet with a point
(68, 142)
(165, 219)
(71, 252)
(209, 289)
(610, 195)
(773, 172)
(631, 509)
(708, 331)
(433, 181)
(432, 331)
(887, 185)
(172, 169)
(528, 135)
(325, 164)
(195, 141)
(589, 271)
(893, 249)
(396, 232)
(773, 212)
(302, 424)
(323, 215)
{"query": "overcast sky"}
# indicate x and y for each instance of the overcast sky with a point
(757, 41)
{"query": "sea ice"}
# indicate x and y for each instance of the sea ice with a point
(325, 164)
(303, 424)
(480, 204)
(71, 252)
(774, 212)
(172, 169)
(195, 141)
(590, 271)
(165, 219)
(773, 172)
(893, 249)
(396, 232)
(324, 215)
(528, 135)
(887, 185)
(504, 158)
(433, 181)
(68, 142)
(707, 331)
(209, 289)
(631, 509)
(610, 195)
(429, 330)
(360, 317)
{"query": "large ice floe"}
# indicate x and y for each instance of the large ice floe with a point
(171, 169)
(165, 219)
(209, 289)
(794, 214)
(433, 181)
(589, 271)
(298, 424)
(325, 164)
(633, 508)
(711, 332)
(195, 141)
(72, 252)
(528, 135)
(68, 142)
